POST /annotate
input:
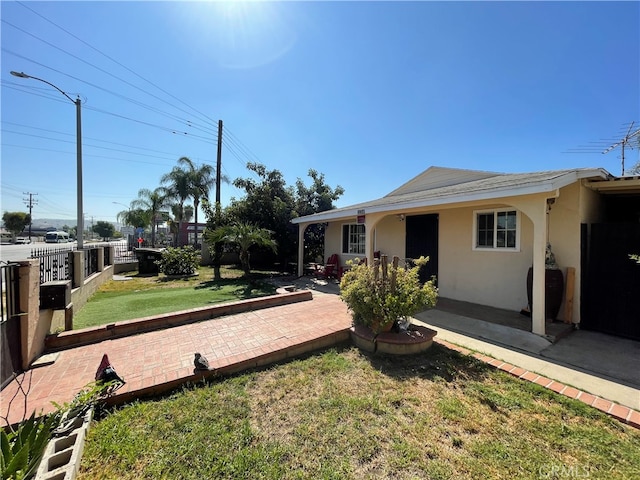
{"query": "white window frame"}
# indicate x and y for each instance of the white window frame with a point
(495, 213)
(346, 249)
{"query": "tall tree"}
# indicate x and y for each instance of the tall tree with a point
(104, 229)
(178, 188)
(216, 218)
(153, 202)
(316, 198)
(134, 217)
(179, 216)
(269, 203)
(16, 221)
(202, 179)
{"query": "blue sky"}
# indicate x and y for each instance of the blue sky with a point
(368, 93)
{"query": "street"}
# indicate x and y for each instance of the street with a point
(13, 252)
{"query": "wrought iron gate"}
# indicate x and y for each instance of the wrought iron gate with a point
(10, 322)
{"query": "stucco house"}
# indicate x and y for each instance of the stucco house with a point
(484, 230)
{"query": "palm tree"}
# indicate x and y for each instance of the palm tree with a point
(178, 188)
(134, 217)
(178, 218)
(242, 235)
(202, 179)
(151, 201)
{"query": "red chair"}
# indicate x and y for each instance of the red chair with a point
(331, 269)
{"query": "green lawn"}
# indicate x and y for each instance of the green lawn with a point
(144, 296)
(345, 415)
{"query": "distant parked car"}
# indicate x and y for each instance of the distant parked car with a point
(23, 240)
(57, 237)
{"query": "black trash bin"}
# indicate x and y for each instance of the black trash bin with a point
(147, 259)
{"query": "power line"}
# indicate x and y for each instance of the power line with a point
(107, 72)
(236, 147)
(118, 63)
(186, 122)
(89, 138)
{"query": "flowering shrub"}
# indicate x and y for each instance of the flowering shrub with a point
(179, 261)
(380, 294)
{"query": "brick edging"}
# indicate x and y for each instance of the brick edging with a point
(620, 412)
(89, 335)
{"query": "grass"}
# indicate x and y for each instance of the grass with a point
(344, 415)
(146, 295)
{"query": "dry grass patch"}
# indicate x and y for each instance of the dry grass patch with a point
(345, 415)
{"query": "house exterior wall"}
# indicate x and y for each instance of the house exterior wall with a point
(494, 278)
(591, 206)
(390, 235)
(333, 240)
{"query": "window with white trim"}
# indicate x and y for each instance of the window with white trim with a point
(497, 229)
(353, 238)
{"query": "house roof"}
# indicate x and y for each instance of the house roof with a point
(442, 186)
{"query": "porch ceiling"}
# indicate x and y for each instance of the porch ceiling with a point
(616, 185)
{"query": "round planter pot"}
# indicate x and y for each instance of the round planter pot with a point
(363, 338)
(415, 340)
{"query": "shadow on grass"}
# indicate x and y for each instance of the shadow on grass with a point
(436, 362)
(256, 285)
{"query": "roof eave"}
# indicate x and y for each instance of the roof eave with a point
(492, 194)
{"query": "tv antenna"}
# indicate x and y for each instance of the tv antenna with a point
(624, 142)
(597, 147)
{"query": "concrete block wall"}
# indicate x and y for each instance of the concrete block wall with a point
(61, 459)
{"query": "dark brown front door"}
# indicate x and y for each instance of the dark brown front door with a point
(422, 239)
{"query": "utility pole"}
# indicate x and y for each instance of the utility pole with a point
(217, 248)
(219, 161)
(30, 203)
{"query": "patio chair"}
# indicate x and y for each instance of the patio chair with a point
(331, 269)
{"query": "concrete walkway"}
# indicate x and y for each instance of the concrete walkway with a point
(605, 366)
(159, 361)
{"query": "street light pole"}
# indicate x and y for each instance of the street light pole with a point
(80, 219)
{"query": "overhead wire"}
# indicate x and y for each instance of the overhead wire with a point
(235, 146)
(118, 63)
(91, 138)
(187, 122)
(103, 71)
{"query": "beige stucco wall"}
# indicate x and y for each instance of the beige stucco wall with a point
(390, 235)
(494, 278)
(591, 206)
(389, 238)
(332, 240)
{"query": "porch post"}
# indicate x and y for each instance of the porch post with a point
(368, 241)
(538, 291)
(301, 228)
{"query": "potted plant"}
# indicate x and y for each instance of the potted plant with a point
(554, 285)
(381, 295)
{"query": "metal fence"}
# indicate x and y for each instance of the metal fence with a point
(90, 261)
(55, 263)
(123, 253)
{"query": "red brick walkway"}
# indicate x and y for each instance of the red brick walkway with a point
(161, 360)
